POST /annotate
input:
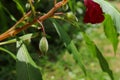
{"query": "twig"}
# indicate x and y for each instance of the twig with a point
(13, 31)
(55, 2)
(14, 26)
(42, 27)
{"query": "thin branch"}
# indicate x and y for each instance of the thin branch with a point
(14, 26)
(13, 31)
(55, 2)
(42, 27)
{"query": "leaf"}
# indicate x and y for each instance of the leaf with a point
(19, 6)
(72, 5)
(94, 50)
(32, 7)
(10, 53)
(3, 18)
(26, 67)
(108, 9)
(69, 44)
(10, 15)
(24, 37)
(110, 31)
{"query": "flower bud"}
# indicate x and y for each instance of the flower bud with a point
(43, 45)
(27, 6)
(71, 17)
(65, 7)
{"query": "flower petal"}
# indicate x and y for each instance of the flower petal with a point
(94, 13)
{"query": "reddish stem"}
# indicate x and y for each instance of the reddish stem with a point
(13, 31)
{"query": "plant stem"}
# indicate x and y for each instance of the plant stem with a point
(13, 31)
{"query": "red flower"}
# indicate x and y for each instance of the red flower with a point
(94, 13)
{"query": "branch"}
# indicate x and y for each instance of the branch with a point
(14, 26)
(13, 31)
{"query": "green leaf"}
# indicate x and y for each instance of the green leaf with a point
(19, 6)
(94, 50)
(32, 7)
(24, 37)
(110, 31)
(10, 15)
(108, 9)
(69, 44)
(3, 18)
(72, 5)
(7, 51)
(26, 67)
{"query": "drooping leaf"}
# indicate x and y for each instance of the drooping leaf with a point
(26, 67)
(109, 9)
(110, 31)
(7, 51)
(104, 64)
(69, 44)
(94, 50)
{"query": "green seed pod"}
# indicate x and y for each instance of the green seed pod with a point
(43, 45)
(71, 17)
(65, 7)
(27, 6)
(80, 4)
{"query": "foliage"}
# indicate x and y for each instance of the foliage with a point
(61, 24)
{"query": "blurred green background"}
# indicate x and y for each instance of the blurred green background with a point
(58, 64)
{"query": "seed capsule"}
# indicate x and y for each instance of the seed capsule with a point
(65, 7)
(71, 17)
(43, 45)
(27, 6)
